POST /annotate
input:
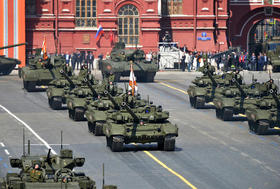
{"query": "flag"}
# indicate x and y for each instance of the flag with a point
(99, 33)
(44, 49)
(111, 37)
(132, 81)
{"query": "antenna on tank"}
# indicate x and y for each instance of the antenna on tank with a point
(28, 148)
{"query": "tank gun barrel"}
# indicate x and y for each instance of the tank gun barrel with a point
(72, 84)
(116, 105)
(243, 93)
(274, 95)
(214, 83)
(94, 92)
(217, 55)
(128, 109)
(11, 46)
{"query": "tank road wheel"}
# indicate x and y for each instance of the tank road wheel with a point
(199, 102)
(169, 143)
(56, 103)
(98, 129)
(261, 127)
(160, 145)
(117, 143)
(29, 85)
(227, 114)
(78, 114)
(91, 127)
(149, 77)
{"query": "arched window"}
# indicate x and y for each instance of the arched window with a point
(85, 13)
(128, 23)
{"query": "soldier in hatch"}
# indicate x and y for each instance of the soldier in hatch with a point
(36, 174)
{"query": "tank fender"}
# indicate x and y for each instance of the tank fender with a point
(114, 129)
(95, 115)
(257, 114)
(169, 129)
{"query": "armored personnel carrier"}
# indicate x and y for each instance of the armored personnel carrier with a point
(41, 72)
(59, 88)
(8, 64)
(120, 60)
(149, 125)
(265, 113)
(236, 100)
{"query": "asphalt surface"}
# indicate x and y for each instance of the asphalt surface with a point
(209, 153)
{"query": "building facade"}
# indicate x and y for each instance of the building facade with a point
(201, 25)
(71, 25)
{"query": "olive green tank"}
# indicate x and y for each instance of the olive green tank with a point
(236, 100)
(41, 72)
(146, 126)
(265, 114)
(8, 64)
(58, 89)
(120, 60)
(209, 86)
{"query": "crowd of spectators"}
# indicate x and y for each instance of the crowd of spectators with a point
(192, 61)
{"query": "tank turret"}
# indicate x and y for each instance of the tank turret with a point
(72, 84)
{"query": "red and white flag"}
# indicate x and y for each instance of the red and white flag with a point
(132, 81)
(44, 50)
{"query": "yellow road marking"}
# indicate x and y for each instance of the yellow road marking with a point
(182, 91)
(277, 128)
(44, 86)
(170, 170)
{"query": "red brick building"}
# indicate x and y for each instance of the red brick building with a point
(208, 25)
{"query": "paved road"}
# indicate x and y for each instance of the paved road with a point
(209, 153)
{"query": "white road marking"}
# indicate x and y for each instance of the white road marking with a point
(30, 129)
(2, 144)
(49, 144)
(7, 152)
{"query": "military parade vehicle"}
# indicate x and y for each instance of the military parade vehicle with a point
(236, 100)
(265, 113)
(209, 86)
(79, 98)
(98, 111)
(272, 48)
(48, 171)
(8, 64)
(120, 60)
(59, 88)
(41, 72)
(150, 125)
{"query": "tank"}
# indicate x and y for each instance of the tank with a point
(98, 111)
(41, 72)
(79, 98)
(8, 64)
(236, 100)
(120, 60)
(209, 86)
(264, 114)
(146, 126)
(59, 88)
